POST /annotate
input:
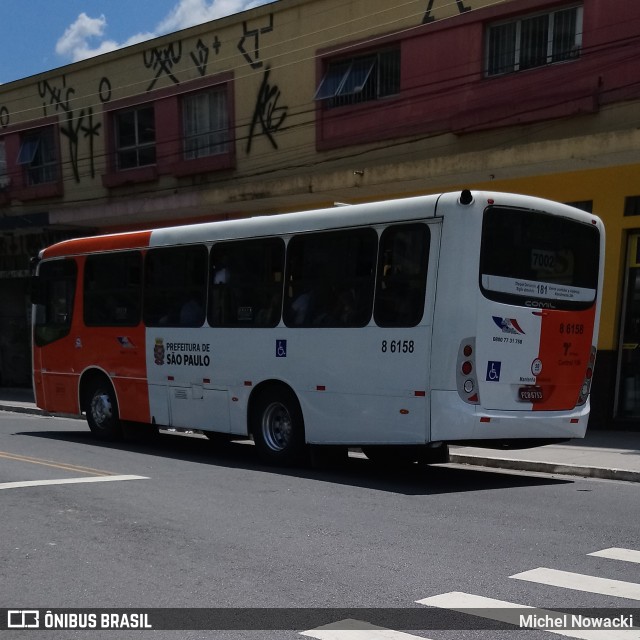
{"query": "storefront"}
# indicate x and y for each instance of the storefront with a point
(627, 403)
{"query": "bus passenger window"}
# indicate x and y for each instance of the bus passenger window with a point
(56, 288)
(330, 278)
(246, 283)
(175, 286)
(402, 275)
(112, 289)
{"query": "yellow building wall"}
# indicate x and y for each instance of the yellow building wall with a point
(272, 52)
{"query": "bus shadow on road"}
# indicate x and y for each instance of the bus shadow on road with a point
(356, 470)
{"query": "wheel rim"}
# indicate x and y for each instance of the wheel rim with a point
(101, 409)
(277, 427)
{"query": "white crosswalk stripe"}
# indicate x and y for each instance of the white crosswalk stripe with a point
(357, 630)
(580, 582)
(616, 553)
(519, 615)
(511, 613)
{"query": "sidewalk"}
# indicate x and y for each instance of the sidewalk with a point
(611, 455)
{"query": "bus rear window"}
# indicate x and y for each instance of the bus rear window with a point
(538, 259)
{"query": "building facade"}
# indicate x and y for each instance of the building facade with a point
(300, 104)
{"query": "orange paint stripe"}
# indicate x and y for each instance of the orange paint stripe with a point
(119, 241)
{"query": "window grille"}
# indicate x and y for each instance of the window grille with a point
(360, 79)
(39, 156)
(534, 41)
(205, 124)
(135, 138)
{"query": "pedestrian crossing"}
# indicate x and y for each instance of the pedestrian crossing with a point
(626, 625)
(357, 630)
(580, 582)
(615, 553)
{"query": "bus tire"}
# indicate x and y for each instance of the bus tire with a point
(277, 426)
(102, 412)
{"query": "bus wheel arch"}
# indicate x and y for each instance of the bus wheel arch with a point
(276, 422)
(99, 402)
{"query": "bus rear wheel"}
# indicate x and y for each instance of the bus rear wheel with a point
(102, 412)
(278, 427)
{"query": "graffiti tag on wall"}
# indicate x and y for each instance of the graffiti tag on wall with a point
(268, 115)
(77, 125)
(429, 17)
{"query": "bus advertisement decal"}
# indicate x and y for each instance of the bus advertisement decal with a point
(188, 354)
(508, 325)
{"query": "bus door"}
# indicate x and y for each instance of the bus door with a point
(181, 392)
(54, 298)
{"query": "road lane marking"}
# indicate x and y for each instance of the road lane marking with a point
(350, 629)
(54, 464)
(580, 582)
(616, 553)
(41, 483)
(509, 612)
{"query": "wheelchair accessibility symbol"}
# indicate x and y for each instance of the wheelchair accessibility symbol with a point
(493, 371)
(281, 348)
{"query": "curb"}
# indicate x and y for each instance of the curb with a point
(601, 473)
(34, 411)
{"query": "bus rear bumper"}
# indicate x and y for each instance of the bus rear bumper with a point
(455, 421)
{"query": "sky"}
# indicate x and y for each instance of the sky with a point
(40, 35)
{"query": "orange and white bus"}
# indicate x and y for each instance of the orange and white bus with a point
(397, 326)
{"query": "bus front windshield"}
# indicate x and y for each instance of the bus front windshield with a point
(537, 259)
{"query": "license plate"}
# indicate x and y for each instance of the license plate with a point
(530, 394)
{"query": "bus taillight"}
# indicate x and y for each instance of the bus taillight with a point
(586, 384)
(466, 380)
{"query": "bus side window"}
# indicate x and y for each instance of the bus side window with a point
(246, 283)
(54, 304)
(175, 286)
(330, 279)
(402, 275)
(112, 289)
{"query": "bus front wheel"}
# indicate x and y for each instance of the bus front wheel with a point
(102, 412)
(278, 427)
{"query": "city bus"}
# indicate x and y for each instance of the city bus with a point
(397, 327)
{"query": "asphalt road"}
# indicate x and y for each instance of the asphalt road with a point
(179, 523)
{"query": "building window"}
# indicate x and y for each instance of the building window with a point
(135, 138)
(632, 206)
(38, 156)
(360, 79)
(583, 205)
(205, 124)
(4, 177)
(534, 41)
